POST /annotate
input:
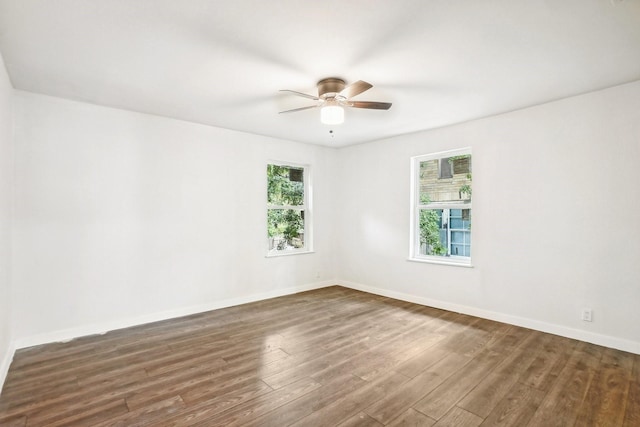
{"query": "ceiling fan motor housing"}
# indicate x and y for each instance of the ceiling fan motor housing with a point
(329, 88)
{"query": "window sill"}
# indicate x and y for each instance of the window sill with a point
(279, 254)
(441, 262)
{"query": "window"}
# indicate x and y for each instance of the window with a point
(441, 207)
(288, 215)
(445, 169)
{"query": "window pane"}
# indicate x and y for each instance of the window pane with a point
(429, 175)
(285, 229)
(456, 222)
(285, 185)
(445, 169)
(457, 237)
(460, 219)
(460, 250)
(461, 164)
(443, 232)
(433, 232)
(445, 180)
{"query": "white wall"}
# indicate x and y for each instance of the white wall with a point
(555, 218)
(123, 217)
(6, 188)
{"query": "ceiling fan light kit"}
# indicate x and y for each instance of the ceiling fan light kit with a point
(333, 96)
(332, 114)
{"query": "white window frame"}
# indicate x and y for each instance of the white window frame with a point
(306, 207)
(416, 207)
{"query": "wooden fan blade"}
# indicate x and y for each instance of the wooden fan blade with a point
(370, 104)
(355, 89)
(297, 109)
(315, 98)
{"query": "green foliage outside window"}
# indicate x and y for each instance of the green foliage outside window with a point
(430, 229)
(286, 223)
(285, 185)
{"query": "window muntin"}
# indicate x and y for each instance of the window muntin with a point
(287, 209)
(441, 207)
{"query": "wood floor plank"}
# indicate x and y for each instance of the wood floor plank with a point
(399, 401)
(11, 404)
(322, 335)
(314, 366)
(439, 401)
(151, 414)
(476, 337)
(393, 355)
(492, 389)
(347, 406)
(632, 410)
(187, 386)
(458, 417)
(86, 365)
(561, 405)
(422, 361)
(412, 418)
(182, 360)
(313, 401)
(87, 414)
(120, 391)
(606, 398)
(327, 357)
(516, 408)
(544, 370)
(242, 414)
(13, 421)
(360, 420)
(177, 381)
(216, 403)
(207, 392)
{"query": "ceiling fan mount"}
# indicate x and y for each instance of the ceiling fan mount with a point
(330, 87)
(334, 93)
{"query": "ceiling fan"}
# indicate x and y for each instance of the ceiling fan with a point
(334, 95)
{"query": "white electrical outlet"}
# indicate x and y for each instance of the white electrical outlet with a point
(587, 314)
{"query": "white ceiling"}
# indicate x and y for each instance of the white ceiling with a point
(222, 62)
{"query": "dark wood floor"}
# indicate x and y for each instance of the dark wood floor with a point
(331, 357)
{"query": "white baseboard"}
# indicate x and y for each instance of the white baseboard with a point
(6, 363)
(599, 339)
(101, 328)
